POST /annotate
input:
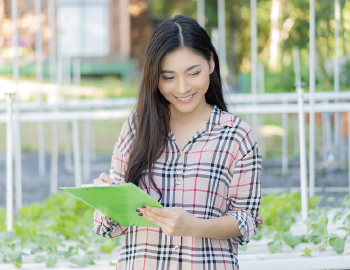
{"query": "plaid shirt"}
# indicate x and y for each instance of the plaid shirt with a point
(217, 173)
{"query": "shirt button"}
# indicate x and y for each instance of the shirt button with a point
(178, 182)
(180, 153)
(177, 248)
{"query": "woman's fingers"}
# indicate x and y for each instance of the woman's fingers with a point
(104, 178)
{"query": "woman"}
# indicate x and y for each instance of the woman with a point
(184, 148)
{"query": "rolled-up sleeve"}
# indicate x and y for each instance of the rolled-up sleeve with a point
(244, 193)
(103, 225)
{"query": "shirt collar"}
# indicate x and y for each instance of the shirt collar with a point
(213, 120)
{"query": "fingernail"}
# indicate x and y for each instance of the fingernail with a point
(143, 206)
(140, 214)
(137, 210)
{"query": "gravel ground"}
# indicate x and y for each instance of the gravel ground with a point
(332, 181)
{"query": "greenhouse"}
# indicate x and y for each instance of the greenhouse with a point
(72, 74)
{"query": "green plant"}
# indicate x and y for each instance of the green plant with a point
(60, 228)
(280, 212)
(10, 248)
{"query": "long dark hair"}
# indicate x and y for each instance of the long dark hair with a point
(152, 113)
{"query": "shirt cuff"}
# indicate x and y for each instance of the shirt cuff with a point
(246, 226)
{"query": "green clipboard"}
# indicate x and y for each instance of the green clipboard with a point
(118, 202)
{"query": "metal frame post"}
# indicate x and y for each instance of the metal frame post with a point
(39, 76)
(336, 77)
(201, 12)
(77, 162)
(312, 84)
(301, 117)
(9, 164)
(222, 39)
(254, 61)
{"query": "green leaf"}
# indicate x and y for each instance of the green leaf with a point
(16, 257)
(39, 259)
(338, 244)
(108, 246)
(42, 239)
(81, 261)
(291, 240)
(307, 252)
(7, 236)
(314, 202)
(51, 260)
(257, 237)
(275, 246)
(243, 248)
(112, 263)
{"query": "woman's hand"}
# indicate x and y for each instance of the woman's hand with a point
(104, 178)
(174, 221)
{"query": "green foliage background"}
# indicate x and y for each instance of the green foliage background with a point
(238, 37)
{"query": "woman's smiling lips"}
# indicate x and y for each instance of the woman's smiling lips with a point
(186, 99)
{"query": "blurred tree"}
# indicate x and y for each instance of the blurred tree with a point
(2, 16)
(283, 25)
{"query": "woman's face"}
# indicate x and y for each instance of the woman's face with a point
(184, 80)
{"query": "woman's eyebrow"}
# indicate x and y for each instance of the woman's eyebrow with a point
(188, 69)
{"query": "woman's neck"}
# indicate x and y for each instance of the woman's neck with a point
(199, 115)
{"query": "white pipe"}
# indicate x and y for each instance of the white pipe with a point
(39, 75)
(324, 137)
(18, 159)
(301, 117)
(76, 74)
(296, 136)
(336, 77)
(64, 116)
(285, 144)
(254, 61)
(16, 117)
(9, 165)
(342, 147)
(303, 172)
(312, 86)
(201, 12)
(222, 39)
(261, 77)
(93, 141)
(52, 43)
(131, 102)
(336, 46)
(77, 165)
(87, 151)
(67, 148)
(54, 158)
(349, 148)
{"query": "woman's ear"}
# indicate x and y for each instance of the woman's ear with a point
(211, 63)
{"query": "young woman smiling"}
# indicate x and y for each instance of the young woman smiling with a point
(183, 147)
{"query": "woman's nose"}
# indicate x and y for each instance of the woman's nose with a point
(183, 86)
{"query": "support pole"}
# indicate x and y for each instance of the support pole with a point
(39, 76)
(303, 171)
(54, 158)
(312, 84)
(285, 143)
(222, 39)
(201, 12)
(76, 145)
(349, 149)
(254, 61)
(16, 117)
(336, 78)
(9, 164)
(87, 151)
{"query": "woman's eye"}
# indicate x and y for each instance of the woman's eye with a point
(168, 78)
(194, 74)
